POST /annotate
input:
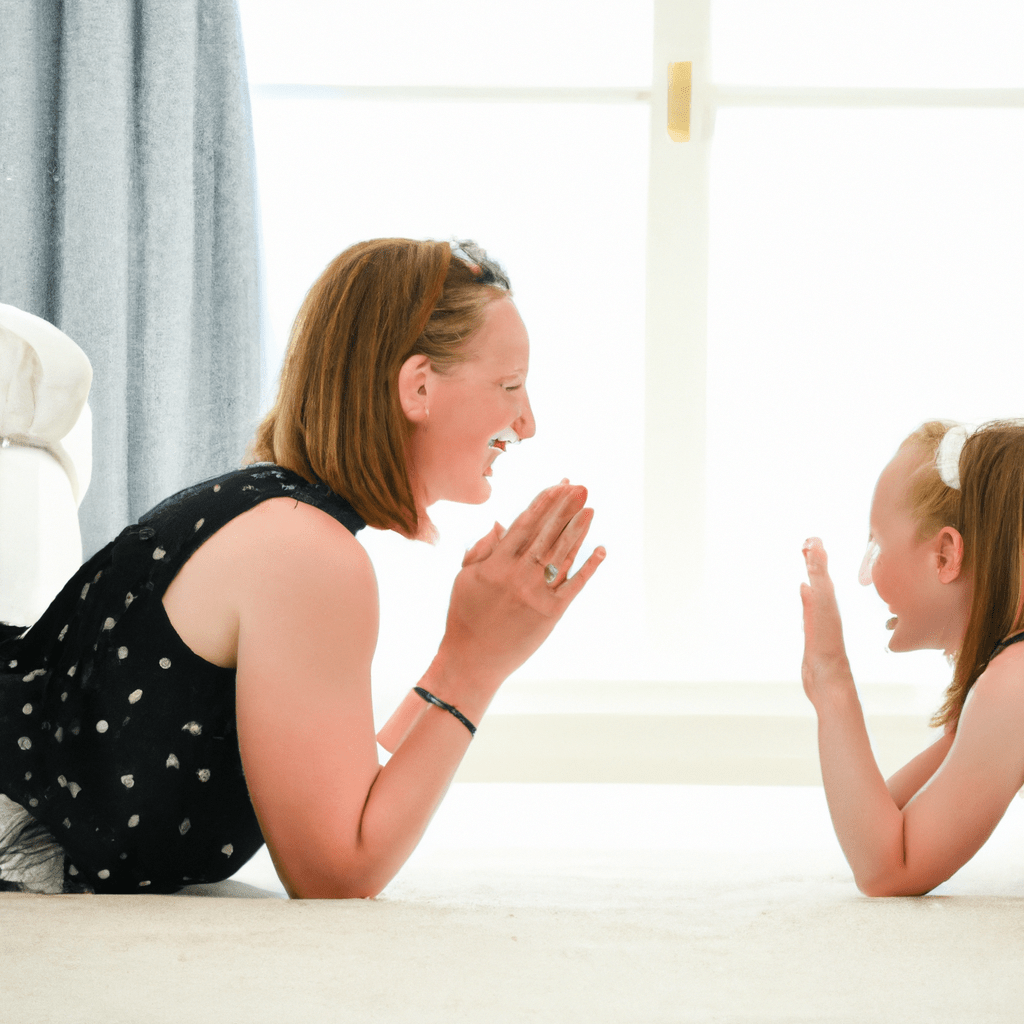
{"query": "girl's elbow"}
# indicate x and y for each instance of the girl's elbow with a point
(887, 885)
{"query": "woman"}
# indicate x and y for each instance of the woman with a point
(203, 683)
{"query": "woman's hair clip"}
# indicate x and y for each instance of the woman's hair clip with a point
(947, 456)
(483, 268)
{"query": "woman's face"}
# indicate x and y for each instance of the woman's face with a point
(930, 609)
(450, 457)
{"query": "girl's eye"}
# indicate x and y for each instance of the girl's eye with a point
(515, 387)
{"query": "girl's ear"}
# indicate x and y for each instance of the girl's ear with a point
(950, 550)
(412, 388)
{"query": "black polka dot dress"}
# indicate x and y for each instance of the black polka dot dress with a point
(114, 735)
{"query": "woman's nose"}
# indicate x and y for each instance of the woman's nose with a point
(864, 576)
(526, 425)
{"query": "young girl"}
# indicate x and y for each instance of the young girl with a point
(202, 684)
(945, 554)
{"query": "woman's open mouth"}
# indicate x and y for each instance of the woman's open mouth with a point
(507, 436)
(891, 623)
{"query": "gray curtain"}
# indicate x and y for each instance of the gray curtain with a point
(128, 219)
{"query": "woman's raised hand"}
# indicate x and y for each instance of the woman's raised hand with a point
(502, 605)
(825, 665)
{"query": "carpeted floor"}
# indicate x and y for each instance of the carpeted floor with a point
(551, 903)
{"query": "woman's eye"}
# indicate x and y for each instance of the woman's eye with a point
(515, 387)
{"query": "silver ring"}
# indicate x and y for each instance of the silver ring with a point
(550, 573)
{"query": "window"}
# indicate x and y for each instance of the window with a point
(834, 257)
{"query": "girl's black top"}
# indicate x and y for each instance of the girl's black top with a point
(114, 735)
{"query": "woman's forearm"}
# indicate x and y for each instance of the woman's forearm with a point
(427, 744)
(867, 821)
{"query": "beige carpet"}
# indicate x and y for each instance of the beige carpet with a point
(552, 903)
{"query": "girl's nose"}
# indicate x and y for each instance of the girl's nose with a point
(864, 576)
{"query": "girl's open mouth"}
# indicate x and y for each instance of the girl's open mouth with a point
(891, 623)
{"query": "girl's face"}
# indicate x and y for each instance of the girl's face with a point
(920, 580)
(450, 457)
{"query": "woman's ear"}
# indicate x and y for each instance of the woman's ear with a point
(950, 554)
(412, 388)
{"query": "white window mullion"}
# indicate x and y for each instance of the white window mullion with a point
(676, 350)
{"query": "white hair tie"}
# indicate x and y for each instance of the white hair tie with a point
(947, 457)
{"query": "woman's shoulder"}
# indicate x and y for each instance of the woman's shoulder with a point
(230, 494)
(284, 537)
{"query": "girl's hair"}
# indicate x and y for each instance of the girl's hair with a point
(988, 512)
(338, 418)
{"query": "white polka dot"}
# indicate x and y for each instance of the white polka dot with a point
(64, 696)
(184, 826)
(27, 709)
(75, 729)
(199, 524)
(172, 761)
(204, 774)
(141, 884)
(103, 874)
(72, 670)
(63, 633)
(122, 652)
(227, 850)
(25, 743)
(193, 727)
(74, 789)
(134, 697)
(109, 623)
(33, 802)
(102, 726)
(133, 821)
(59, 734)
(62, 781)
(85, 590)
(159, 553)
(216, 487)
(128, 781)
(67, 824)
(35, 673)
(165, 662)
(13, 664)
(96, 578)
(128, 598)
(72, 870)
(122, 856)
(28, 776)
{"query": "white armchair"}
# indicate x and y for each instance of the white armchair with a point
(45, 461)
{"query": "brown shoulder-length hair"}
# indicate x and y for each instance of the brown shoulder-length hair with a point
(338, 417)
(988, 512)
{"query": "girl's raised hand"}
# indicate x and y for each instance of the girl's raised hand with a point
(826, 668)
(502, 606)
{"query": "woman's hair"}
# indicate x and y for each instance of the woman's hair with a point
(988, 512)
(338, 417)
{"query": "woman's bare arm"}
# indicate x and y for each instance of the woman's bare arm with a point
(336, 823)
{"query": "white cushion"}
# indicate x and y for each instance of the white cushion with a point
(44, 384)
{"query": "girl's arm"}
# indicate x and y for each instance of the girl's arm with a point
(336, 823)
(909, 850)
(914, 774)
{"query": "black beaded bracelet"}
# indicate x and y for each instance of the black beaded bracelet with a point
(431, 699)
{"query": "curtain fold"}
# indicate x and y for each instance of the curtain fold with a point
(128, 218)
